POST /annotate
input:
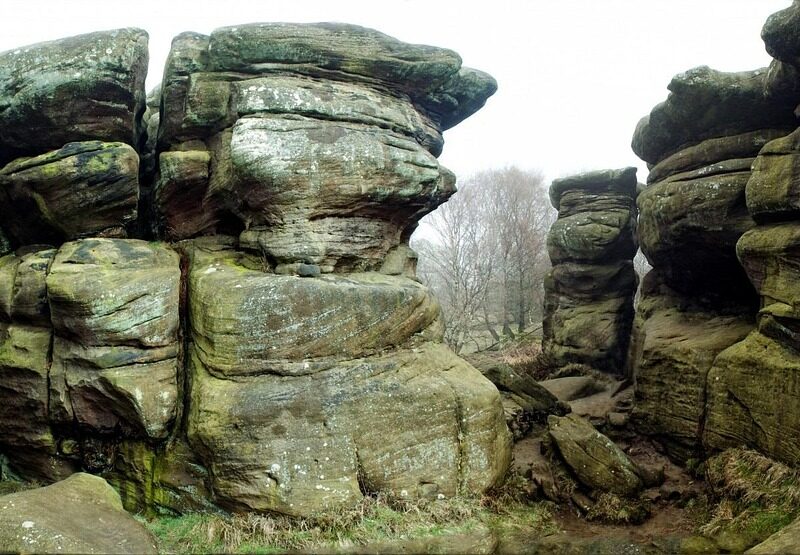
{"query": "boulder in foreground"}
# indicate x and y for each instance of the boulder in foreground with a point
(81, 514)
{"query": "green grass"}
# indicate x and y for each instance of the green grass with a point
(374, 520)
(757, 496)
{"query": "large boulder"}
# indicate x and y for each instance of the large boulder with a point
(80, 190)
(316, 144)
(88, 87)
(115, 311)
(596, 460)
(689, 224)
(81, 514)
(705, 103)
(296, 407)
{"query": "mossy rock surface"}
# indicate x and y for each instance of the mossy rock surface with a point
(81, 514)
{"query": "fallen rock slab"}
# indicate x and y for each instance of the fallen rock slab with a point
(596, 461)
(81, 514)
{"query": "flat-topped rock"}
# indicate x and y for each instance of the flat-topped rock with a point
(621, 180)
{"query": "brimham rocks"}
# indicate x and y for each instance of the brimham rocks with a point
(589, 292)
(207, 295)
(718, 224)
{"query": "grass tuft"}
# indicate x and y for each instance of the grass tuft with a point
(375, 519)
(758, 496)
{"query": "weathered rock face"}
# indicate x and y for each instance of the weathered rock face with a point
(88, 349)
(70, 122)
(703, 372)
(292, 367)
(753, 387)
(589, 292)
(83, 189)
(346, 360)
(89, 87)
(81, 514)
(678, 340)
(322, 153)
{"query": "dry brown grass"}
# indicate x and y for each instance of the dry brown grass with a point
(757, 495)
(528, 358)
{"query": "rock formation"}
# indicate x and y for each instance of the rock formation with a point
(754, 386)
(81, 514)
(277, 353)
(701, 375)
(589, 292)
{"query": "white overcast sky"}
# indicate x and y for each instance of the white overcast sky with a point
(574, 75)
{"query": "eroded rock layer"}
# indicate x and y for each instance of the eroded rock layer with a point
(321, 153)
(289, 362)
(721, 151)
(589, 291)
(754, 385)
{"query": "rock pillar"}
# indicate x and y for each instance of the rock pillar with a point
(589, 291)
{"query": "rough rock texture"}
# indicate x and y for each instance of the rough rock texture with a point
(678, 339)
(707, 188)
(753, 387)
(589, 292)
(88, 87)
(291, 367)
(115, 315)
(596, 460)
(316, 143)
(83, 189)
(705, 103)
(294, 407)
(81, 514)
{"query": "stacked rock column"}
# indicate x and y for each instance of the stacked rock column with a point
(315, 359)
(754, 386)
(88, 318)
(697, 301)
(589, 291)
(291, 165)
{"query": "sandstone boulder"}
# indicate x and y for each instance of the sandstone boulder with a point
(88, 87)
(81, 514)
(688, 228)
(82, 189)
(596, 460)
(705, 103)
(321, 153)
(114, 308)
(306, 392)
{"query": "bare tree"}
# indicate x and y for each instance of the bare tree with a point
(487, 257)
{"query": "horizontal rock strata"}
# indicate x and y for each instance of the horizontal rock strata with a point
(290, 362)
(589, 291)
